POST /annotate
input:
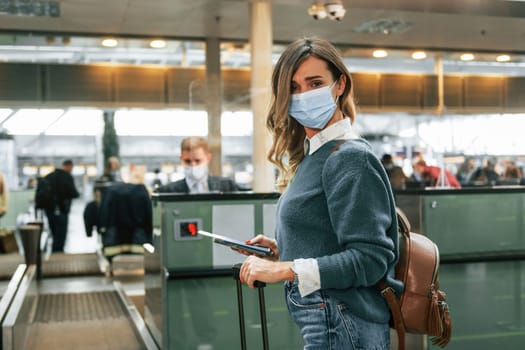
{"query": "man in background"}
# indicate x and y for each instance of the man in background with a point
(195, 157)
(112, 170)
(63, 192)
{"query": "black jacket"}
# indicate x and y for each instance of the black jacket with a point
(126, 206)
(63, 188)
(215, 184)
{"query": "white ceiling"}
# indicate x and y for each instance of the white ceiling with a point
(484, 25)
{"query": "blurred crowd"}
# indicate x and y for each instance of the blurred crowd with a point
(472, 172)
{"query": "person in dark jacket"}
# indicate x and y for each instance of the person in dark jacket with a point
(195, 157)
(64, 191)
(484, 175)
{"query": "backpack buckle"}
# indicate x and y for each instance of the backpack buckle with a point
(386, 289)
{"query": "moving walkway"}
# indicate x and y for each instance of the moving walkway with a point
(74, 305)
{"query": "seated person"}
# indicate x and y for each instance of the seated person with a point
(195, 157)
(512, 175)
(485, 175)
(395, 173)
(432, 175)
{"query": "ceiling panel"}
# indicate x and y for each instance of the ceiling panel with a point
(441, 24)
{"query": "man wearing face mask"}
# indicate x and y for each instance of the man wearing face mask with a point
(195, 156)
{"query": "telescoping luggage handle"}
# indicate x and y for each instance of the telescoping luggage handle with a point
(262, 308)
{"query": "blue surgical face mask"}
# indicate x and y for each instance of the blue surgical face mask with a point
(196, 173)
(313, 108)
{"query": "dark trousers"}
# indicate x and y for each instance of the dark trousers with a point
(58, 224)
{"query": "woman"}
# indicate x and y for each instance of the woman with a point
(336, 224)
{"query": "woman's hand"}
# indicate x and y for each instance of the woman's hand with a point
(263, 241)
(263, 270)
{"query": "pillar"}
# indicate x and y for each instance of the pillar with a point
(261, 42)
(214, 102)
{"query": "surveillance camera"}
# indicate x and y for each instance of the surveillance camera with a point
(317, 11)
(336, 11)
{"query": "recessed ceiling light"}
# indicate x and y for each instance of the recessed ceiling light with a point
(419, 55)
(467, 57)
(503, 58)
(109, 42)
(379, 53)
(157, 44)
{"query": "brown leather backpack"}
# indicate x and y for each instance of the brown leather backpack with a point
(421, 308)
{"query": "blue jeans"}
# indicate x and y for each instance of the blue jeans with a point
(328, 324)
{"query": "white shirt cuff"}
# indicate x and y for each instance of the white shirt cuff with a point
(308, 277)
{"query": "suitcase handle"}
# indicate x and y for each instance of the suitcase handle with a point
(236, 275)
(262, 308)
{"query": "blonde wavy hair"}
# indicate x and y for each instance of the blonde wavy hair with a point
(287, 150)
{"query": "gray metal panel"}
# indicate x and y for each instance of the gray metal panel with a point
(183, 82)
(20, 82)
(78, 83)
(10, 291)
(366, 87)
(140, 84)
(402, 90)
(453, 91)
(20, 309)
(515, 90)
(484, 91)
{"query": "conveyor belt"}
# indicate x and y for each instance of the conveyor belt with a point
(73, 313)
(95, 320)
(60, 264)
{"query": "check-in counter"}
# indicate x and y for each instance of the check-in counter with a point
(481, 237)
(190, 292)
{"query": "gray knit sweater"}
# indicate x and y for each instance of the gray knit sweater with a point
(339, 208)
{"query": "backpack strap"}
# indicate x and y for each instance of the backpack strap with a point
(395, 310)
(336, 147)
(388, 292)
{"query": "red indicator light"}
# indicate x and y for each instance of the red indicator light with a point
(192, 228)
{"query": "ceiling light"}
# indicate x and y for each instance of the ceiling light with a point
(110, 42)
(157, 44)
(419, 55)
(503, 58)
(379, 53)
(467, 57)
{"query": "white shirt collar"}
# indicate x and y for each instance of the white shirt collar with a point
(341, 130)
(200, 186)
